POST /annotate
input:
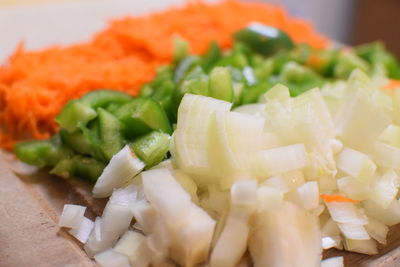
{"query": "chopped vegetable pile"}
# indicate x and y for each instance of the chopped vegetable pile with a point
(273, 147)
(283, 180)
(34, 86)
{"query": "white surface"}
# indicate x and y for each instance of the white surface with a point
(65, 23)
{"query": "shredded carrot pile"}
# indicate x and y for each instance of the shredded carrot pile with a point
(34, 86)
(337, 198)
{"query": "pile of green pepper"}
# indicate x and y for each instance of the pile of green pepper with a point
(98, 125)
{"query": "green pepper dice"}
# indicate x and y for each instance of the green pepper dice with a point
(152, 148)
(141, 115)
(264, 39)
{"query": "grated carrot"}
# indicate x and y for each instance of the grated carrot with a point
(34, 86)
(337, 198)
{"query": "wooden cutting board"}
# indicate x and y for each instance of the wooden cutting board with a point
(30, 205)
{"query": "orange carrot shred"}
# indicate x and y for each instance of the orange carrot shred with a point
(35, 85)
(392, 84)
(337, 198)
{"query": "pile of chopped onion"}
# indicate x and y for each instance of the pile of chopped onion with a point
(282, 180)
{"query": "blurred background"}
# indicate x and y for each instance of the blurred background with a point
(347, 21)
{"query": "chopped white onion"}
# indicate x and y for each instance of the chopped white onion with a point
(364, 112)
(288, 236)
(331, 242)
(353, 188)
(281, 160)
(389, 216)
(361, 246)
(308, 195)
(244, 193)
(330, 228)
(377, 230)
(129, 245)
(192, 140)
(333, 262)
(167, 196)
(346, 212)
(356, 164)
(99, 241)
(391, 135)
(278, 182)
(385, 189)
(353, 231)
(122, 167)
(82, 232)
(231, 244)
(252, 109)
(386, 155)
(191, 243)
(111, 258)
(269, 198)
(72, 216)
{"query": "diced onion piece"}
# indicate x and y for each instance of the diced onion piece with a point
(167, 196)
(364, 112)
(244, 193)
(346, 212)
(336, 145)
(330, 228)
(278, 93)
(111, 258)
(191, 243)
(331, 242)
(356, 164)
(269, 198)
(192, 140)
(278, 182)
(280, 160)
(239, 136)
(98, 241)
(252, 109)
(129, 245)
(389, 216)
(122, 167)
(186, 182)
(377, 230)
(354, 231)
(72, 216)
(188, 227)
(117, 214)
(318, 210)
(288, 236)
(333, 262)
(308, 195)
(214, 201)
(158, 242)
(391, 135)
(353, 188)
(145, 216)
(333, 94)
(294, 178)
(231, 244)
(385, 189)
(82, 232)
(386, 155)
(361, 246)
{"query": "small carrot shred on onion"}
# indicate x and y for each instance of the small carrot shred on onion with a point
(392, 84)
(337, 198)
